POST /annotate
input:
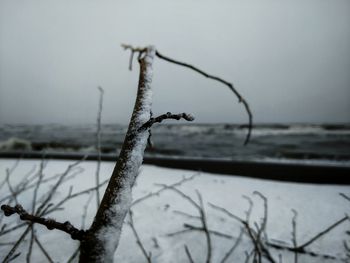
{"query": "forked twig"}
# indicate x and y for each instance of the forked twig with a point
(294, 234)
(320, 234)
(10, 254)
(46, 254)
(163, 188)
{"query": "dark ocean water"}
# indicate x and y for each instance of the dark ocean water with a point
(296, 142)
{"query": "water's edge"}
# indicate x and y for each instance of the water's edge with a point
(287, 171)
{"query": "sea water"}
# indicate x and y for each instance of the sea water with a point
(320, 143)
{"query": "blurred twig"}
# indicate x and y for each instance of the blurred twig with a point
(148, 256)
(98, 146)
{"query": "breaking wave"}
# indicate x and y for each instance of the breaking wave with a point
(223, 141)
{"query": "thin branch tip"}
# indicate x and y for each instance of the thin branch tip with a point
(228, 84)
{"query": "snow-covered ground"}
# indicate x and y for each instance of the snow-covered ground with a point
(318, 207)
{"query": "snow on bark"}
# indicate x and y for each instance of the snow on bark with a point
(107, 226)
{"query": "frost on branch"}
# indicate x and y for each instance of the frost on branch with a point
(104, 235)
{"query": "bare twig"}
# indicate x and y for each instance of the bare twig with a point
(73, 256)
(248, 255)
(262, 228)
(250, 208)
(183, 231)
(98, 146)
(163, 188)
(188, 198)
(214, 232)
(86, 191)
(149, 139)
(304, 251)
(188, 253)
(18, 187)
(301, 249)
(186, 214)
(58, 205)
(228, 213)
(201, 211)
(202, 216)
(8, 172)
(30, 247)
(85, 208)
(168, 115)
(71, 196)
(58, 183)
(263, 225)
(45, 206)
(148, 256)
(49, 223)
(6, 231)
(35, 193)
(345, 196)
(320, 234)
(260, 248)
(46, 254)
(12, 191)
(232, 249)
(205, 227)
(27, 184)
(228, 84)
(131, 59)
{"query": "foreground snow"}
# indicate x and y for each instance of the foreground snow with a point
(317, 206)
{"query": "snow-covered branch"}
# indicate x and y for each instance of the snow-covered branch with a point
(103, 236)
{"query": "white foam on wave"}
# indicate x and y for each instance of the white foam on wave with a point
(327, 162)
(14, 143)
(298, 130)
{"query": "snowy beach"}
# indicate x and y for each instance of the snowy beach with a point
(318, 207)
(175, 131)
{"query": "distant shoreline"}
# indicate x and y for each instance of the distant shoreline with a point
(288, 172)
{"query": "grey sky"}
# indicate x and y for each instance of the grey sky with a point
(290, 59)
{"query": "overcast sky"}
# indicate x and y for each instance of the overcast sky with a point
(290, 59)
